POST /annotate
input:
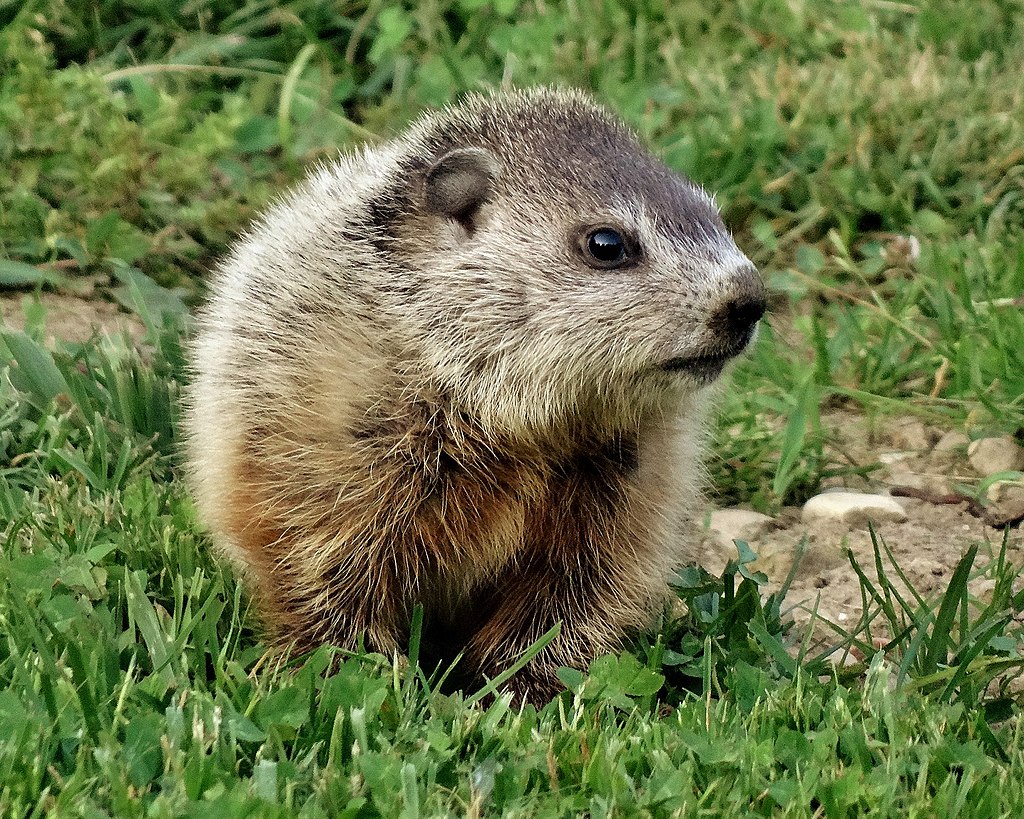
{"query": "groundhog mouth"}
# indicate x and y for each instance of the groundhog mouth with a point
(703, 368)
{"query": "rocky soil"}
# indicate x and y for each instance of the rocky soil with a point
(916, 502)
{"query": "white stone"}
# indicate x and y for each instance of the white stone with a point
(855, 508)
(1006, 502)
(1005, 491)
(909, 433)
(991, 455)
(952, 441)
(892, 458)
(737, 524)
(776, 557)
(950, 449)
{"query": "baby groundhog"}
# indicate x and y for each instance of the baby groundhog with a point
(464, 369)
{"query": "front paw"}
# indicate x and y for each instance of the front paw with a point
(537, 686)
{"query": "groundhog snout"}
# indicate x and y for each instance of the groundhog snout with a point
(735, 318)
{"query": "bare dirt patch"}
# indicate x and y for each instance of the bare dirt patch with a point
(927, 545)
(73, 318)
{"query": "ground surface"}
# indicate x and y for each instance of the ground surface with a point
(926, 546)
(72, 318)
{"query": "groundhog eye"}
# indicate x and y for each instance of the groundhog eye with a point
(606, 246)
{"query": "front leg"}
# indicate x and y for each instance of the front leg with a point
(326, 590)
(596, 604)
(595, 562)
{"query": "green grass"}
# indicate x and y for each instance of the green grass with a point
(136, 141)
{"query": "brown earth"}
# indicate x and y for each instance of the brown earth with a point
(71, 317)
(926, 547)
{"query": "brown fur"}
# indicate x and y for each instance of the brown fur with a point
(410, 388)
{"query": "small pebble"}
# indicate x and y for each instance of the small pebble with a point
(737, 524)
(855, 508)
(909, 433)
(991, 455)
(952, 441)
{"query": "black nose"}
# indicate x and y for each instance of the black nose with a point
(740, 315)
(737, 316)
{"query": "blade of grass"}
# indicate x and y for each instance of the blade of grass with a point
(291, 80)
(955, 596)
(37, 373)
(492, 686)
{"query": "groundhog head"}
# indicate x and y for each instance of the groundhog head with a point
(550, 266)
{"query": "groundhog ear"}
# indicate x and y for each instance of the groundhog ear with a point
(460, 182)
